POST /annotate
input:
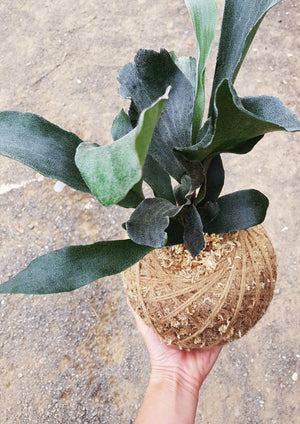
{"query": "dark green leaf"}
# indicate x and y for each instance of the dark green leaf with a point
(204, 17)
(241, 20)
(187, 65)
(214, 180)
(112, 170)
(133, 114)
(43, 146)
(158, 179)
(75, 266)
(146, 80)
(184, 190)
(208, 212)
(238, 211)
(272, 110)
(193, 168)
(193, 230)
(236, 125)
(149, 221)
(204, 138)
(121, 126)
(241, 123)
(134, 197)
(174, 232)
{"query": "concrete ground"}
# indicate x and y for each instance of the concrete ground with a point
(77, 357)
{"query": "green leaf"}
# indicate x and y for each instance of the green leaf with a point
(193, 230)
(43, 146)
(236, 124)
(184, 190)
(204, 17)
(148, 222)
(214, 180)
(174, 232)
(75, 266)
(238, 211)
(158, 179)
(133, 114)
(193, 168)
(121, 126)
(134, 197)
(187, 65)
(208, 212)
(241, 20)
(272, 110)
(241, 122)
(143, 82)
(111, 171)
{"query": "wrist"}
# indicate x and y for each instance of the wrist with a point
(170, 398)
(174, 379)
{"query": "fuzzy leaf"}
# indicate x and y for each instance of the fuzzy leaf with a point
(193, 230)
(242, 122)
(146, 80)
(238, 211)
(121, 125)
(134, 197)
(43, 146)
(158, 179)
(187, 65)
(208, 212)
(149, 221)
(241, 20)
(214, 180)
(204, 17)
(193, 168)
(111, 171)
(174, 232)
(184, 190)
(75, 266)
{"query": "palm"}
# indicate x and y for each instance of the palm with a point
(193, 366)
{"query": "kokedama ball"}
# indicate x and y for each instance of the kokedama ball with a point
(211, 299)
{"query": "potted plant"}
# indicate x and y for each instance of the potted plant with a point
(199, 267)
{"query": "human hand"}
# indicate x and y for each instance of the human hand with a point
(170, 363)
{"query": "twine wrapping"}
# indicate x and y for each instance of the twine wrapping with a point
(211, 299)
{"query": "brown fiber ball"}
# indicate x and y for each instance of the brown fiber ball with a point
(211, 299)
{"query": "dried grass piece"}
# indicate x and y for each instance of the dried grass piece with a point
(213, 298)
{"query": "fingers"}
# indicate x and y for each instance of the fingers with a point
(157, 349)
(139, 322)
(214, 353)
(150, 338)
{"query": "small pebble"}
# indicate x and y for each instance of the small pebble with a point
(295, 377)
(59, 186)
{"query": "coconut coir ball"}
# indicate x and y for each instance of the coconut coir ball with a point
(211, 299)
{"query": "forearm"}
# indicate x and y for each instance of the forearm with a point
(169, 399)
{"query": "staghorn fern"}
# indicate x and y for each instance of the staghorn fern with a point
(160, 137)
